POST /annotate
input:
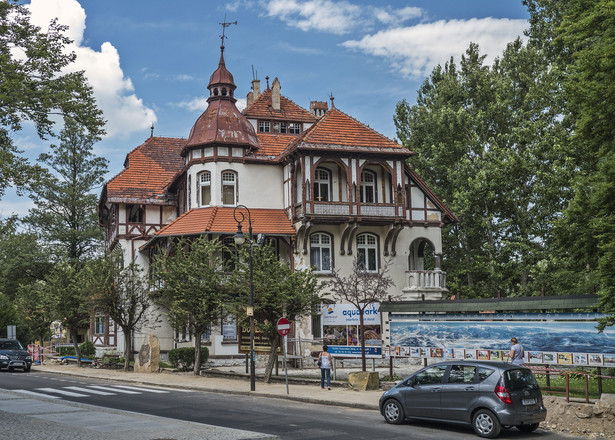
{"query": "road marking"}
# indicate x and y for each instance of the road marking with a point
(86, 390)
(65, 393)
(113, 389)
(149, 390)
(32, 393)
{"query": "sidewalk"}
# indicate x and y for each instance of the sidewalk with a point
(339, 395)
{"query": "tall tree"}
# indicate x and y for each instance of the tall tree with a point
(362, 289)
(66, 207)
(34, 86)
(278, 291)
(192, 287)
(70, 294)
(124, 292)
(489, 141)
(36, 309)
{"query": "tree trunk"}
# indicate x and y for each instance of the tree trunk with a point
(362, 339)
(272, 355)
(197, 353)
(73, 335)
(127, 349)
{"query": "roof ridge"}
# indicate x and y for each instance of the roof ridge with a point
(211, 219)
(173, 221)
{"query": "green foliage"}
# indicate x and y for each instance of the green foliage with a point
(87, 350)
(183, 357)
(192, 286)
(35, 83)
(66, 209)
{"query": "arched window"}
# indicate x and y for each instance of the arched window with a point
(204, 189)
(368, 187)
(322, 185)
(320, 252)
(229, 188)
(367, 252)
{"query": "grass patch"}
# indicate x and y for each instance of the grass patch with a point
(576, 384)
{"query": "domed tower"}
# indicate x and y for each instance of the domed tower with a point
(221, 123)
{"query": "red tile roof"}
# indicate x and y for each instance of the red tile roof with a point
(338, 131)
(220, 220)
(289, 111)
(148, 169)
(273, 144)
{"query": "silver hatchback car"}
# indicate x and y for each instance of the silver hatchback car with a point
(486, 395)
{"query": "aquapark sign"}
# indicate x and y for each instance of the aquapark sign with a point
(340, 330)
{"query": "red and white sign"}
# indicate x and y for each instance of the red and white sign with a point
(283, 326)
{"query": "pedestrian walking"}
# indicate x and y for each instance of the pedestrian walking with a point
(324, 362)
(517, 354)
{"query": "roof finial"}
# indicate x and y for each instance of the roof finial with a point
(152, 130)
(225, 24)
(331, 98)
(267, 78)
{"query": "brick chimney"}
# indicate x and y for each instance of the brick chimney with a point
(318, 108)
(275, 94)
(254, 93)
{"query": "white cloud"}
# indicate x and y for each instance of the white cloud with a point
(124, 111)
(416, 50)
(200, 104)
(337, 17)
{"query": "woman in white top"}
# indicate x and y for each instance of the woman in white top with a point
(324, 360)
(517, 353)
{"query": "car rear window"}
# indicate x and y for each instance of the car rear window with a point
(519, 379)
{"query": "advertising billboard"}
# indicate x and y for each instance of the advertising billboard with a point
(340, 330)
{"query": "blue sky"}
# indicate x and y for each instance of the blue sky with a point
(150, 61)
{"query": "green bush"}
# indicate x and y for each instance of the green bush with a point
(183, 358)
(87, 350)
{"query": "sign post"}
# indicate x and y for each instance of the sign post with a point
(284, 330)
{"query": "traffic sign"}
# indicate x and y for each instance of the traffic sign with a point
(283, 326)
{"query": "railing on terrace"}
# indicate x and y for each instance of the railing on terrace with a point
(426, 279)
(567, 375)
(346, 209)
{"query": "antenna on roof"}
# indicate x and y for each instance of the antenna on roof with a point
(152, 130)
(225, 24)
(267, 78)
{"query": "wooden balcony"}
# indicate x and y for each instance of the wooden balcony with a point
(345, 209)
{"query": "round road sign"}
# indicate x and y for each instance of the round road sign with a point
(283, 326)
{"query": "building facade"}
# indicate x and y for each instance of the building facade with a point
(321, 187)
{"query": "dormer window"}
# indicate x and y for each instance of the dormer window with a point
(294, 128)
(264, 126)
(280, 127)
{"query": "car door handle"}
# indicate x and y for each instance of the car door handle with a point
(469, 389)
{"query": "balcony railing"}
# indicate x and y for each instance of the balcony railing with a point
(346, 209)
(425, 279)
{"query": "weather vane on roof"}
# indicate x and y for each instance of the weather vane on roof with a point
(225, 24)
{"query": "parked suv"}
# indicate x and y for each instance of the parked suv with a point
(13, 355)
(486, 395)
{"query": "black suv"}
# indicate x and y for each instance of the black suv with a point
(485, 395)
(13, 355)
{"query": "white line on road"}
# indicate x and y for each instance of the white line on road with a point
(64, 393)
(149, 390)
(32, 393)
(86, 390)
(115, 390)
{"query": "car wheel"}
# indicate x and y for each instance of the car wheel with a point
(393, 412)
(11, 369)
(27, 369)
(486, 424)
(528, 428)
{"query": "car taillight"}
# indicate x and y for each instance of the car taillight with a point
(503, 394)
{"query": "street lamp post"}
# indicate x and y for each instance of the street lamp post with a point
(240, 239)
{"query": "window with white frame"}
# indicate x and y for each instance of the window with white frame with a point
(229, 188)
(367, 252)
(322, 185)
(264, 126)
(204, 188)
(99, 323)
(368, 187)
(320, 252)
(294, 128)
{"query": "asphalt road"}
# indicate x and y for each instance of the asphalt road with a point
(282, 418)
